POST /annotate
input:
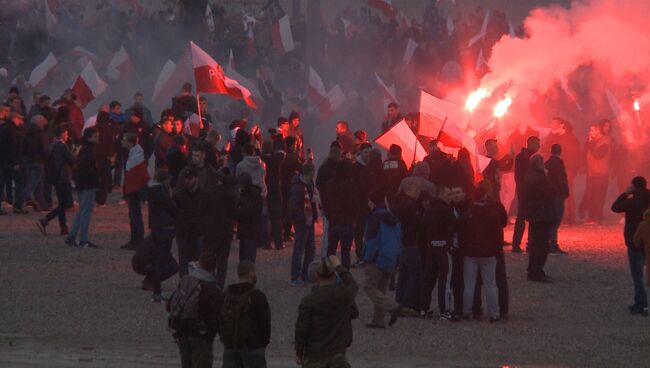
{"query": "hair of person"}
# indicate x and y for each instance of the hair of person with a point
(556, 149)
(532, 139)
(161, 174)
(131, 138)
(198, 148)
(343, 123)
(88, 133)
(208, 261)
(44, 98)
(187, 87)
(483, 188)
(294, 115)
(489, 141)
(138, 94)
(166, 114)
(114, 104)
(639, 182)
(282, 120)
(212, 134)
(308, 169)
(60, 129)
(326, 270)
(365, 146)
(245, 268)
(361, 135)
(394, 105)
(248, 150)
(335, 144)
(202, 98)
(14, 89)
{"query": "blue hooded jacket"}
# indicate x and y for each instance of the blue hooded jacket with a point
(383, 239)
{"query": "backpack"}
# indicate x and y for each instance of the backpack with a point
(183, 307)
(235, 322)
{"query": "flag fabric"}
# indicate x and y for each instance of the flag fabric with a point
(391, 89)
(120, 67)
(281, 35)
(83, 56)
(50, 18)
(136, 174)
(250, 42)
(410, 49)
(511, 30)
(385, 6)
(483, 31)
(564, 83)
(336, 97)
(385, 90)
(613, 103)
(161, 84)
(402, 135)
(88, 85)
(231, 60)
(347, 28)
(210, 77)
(251, 85)
(209, 18)
(317, 94)
(404, 22)
(450, 25)
(43, 71)
(434, 111)
(480, 62)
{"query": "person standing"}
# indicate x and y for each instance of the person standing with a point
(12, 137)
(107, 152)
(291, 166)
(35, 154)
(633, 202)
(521, 170)
(557, 175)
(383, 245)
(325, 173)
(493, 170)
(245, 321)
(303, 214)
(482, 228)
(362, 177)
(323, 331)
(58, 174)
(538, 197)
(135, 180)
(86, 184)
(273, 159)
(642, 241)
(393, 116)
(162, 219)
(598, 153)
(249, 217)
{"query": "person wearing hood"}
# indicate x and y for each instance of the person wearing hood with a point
(296, 131)
(419, 176)
(521, 171)
(273, 159)
(380, 254)
(249, 217)
(194, 343)
(303, 213)
(339, 199)
(325, 173)
(394, 170)
(439, 164)
(246, 349)
(557, 175)
(86, 184)
(138, 104)
(253, 166)
(634, 202)
(538, 197)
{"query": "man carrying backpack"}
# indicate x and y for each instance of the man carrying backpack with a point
(245, 322)
(194, 310)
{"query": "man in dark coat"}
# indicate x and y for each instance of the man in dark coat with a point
(633, 203)
(362, 177)
(538, 197)
(493, 170)
(521, 169)
(290, 167)
(325, 173)
(12, 136)
(107, 152)
(557, 175)
(35, 153)
(273, 159)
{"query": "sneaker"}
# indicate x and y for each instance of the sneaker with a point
(70, 242)
(495, 319)
(42, 224)
(558, 252)
(20, 211)
(64, 231)
(542, 279)
(88, 244)
(447, 317)
(297, 282)
(158, 298)
(426, 314)
(638, 310)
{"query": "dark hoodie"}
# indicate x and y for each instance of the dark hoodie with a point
(339, 196)
(86, 174)
(259, 314)
(481, 230)
(633, 205)
(382, 243)
(440, 224)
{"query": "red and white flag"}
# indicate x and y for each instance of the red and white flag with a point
(385, 6)
(83, 56)
(388, 94)
(161, 84)
(281, 35)
(347, 28)
(483, 31)
(251, 85)
(120, 67)
(435, 111)
(336, 97)
(209, 18)
(88, 85)
(318, 94)
(402, 135)
(50, 18)
(136, 174)
(410, 50)
(43, 71)
(250, 42)
(210, 78)
(231, 60)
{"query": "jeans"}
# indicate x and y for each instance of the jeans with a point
(221, 248)
(7, 174)
(359, 232)
(189, 250)
(265, 236)
(160, 271)
(275, 213)
(33, 173)
(555, 226)
(436, 267)
(244, 358)
(64, 199)
(520, 225)
(304, 250)
(248, 250)
(105, 185)
(487, 268)
(81, 221)
(594, 197)
(342, 233)
(410, 278)
(636, 258)
(196, 352)
(538, 248)
(324, 241)
(135, 217)
(376, 285)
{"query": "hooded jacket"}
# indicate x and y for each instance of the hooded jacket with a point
(301, 198)
(339, 198)
(259, 316)
(191, 210)
(633, 205)
(481, 229)
(254, 166)
(86, 177)
(440, 224)
(162, 210)
(382, 242)
(538, 196)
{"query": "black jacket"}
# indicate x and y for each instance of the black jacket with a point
(289, 168)
(557, 176)
(219, 217)
(538, 197)
(394, 172)
(59, 160)
(363, 179)
(86, 175)
(492, 172)
(439, 167)
(162, 209)
(481, 229)
(326, 172)
(11, 144)
(191, 210)
(339, 199)
(324, 325)
(145, 138)
(249, 213)
(35, 144)
(521, 169)
(273, 163)
(164, 141)
(440, 224)
(410, 215)
(259, 314)
(633, 205)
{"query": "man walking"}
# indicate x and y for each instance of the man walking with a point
(303, 214)
(557, 175)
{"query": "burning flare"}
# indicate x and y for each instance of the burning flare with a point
(637, 105)
(475, 98)
(502, 106)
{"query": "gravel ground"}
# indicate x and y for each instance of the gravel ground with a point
(66, 307)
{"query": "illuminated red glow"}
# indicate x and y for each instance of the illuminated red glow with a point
(475, 98)
(502, 107)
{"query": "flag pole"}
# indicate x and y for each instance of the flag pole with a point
(198, 108)
(415, 146)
